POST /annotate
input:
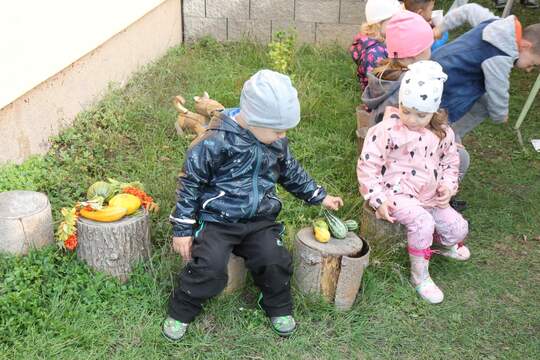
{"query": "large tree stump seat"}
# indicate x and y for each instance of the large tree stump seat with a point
(114, 247)
(381, 234)
(25, 221)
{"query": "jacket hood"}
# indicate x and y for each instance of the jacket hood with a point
(378, 90)
(502, 34)
(225, 122)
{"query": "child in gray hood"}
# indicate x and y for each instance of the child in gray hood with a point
(408, 39)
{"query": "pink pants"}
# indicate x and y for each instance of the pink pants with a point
(421, 223)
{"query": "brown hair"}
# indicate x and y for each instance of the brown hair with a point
(415, 5)
(373, 31)
(390, 69)
(532, 33)
(439, 123)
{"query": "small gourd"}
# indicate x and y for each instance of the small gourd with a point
(337, 227)
(351, 225)
(99, 188)
(130, 202)
(321, 234)
(320, 229)
(107, 214)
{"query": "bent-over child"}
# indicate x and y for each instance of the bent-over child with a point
(479, 62)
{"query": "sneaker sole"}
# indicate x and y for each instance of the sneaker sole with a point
(171, 339)
(283, 334)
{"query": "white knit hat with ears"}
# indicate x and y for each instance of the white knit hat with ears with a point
(422, 86)
(380, 10)
(269, 100)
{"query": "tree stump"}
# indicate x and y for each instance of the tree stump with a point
(25, 221)
(381, 234)
(236, 271)
(114, 247)
(333, 270)
(362, 126)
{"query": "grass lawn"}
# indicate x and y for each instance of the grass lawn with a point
(54, 307)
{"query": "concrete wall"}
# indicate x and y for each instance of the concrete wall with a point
(28, 121)
(316, 21)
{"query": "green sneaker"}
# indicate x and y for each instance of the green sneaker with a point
(283, 325)
(173, 329)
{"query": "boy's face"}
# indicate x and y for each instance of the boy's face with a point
(427, 11)
(528, 58)
(267, 136)
(414, 120)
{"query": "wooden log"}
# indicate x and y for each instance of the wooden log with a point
(114, 247)
(381, 234)
(330, 269)
(236, 271)
(25, 221)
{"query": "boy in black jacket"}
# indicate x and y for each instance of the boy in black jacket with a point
(228, 187)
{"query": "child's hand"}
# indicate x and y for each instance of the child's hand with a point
(437, 33)
(383, 211)
(332, 202)
(182, 245)
(443, 196)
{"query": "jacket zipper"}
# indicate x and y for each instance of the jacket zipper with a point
(255, 179)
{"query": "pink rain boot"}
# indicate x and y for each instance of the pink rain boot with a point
(420, 278)
(458, 252)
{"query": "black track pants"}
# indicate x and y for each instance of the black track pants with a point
(258, 242)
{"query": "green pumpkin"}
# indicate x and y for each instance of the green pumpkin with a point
(100, 188)
(351, 225)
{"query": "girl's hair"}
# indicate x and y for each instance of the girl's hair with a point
(439, 123)
(373, 31)
(390, 69)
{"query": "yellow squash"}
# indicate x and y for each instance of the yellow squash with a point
(127, 201)
(321, 234)
(107, 214)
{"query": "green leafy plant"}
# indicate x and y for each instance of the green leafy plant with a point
(281, 52)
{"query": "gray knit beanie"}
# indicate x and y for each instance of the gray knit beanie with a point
(269, 100)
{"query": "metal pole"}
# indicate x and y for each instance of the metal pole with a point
(508, 8)
(527, 107)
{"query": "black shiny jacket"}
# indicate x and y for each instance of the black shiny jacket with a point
(229, 176)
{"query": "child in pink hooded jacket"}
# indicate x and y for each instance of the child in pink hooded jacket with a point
(408, 170)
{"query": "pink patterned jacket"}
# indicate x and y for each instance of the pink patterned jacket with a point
(406, 167)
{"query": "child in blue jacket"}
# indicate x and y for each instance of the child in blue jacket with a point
(227, 203)
(479, 62)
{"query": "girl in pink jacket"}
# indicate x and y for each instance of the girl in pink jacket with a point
(408, 170)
